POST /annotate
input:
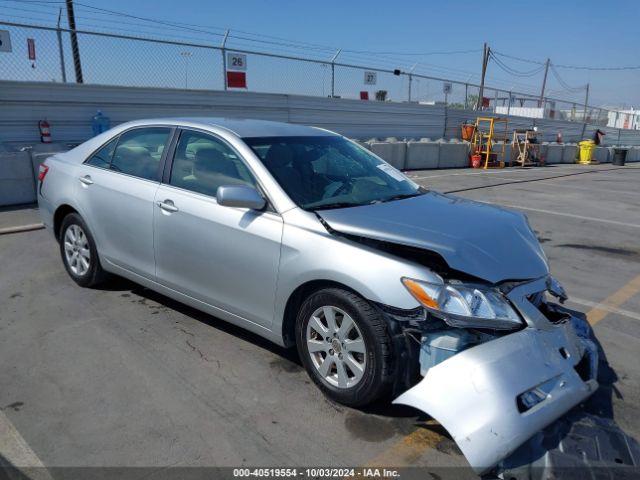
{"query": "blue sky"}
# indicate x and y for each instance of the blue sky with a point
(570, 32)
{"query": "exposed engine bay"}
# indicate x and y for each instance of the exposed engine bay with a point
(487, 354)
(493, 389)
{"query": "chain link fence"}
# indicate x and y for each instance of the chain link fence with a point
(123, 60)
(144, 63)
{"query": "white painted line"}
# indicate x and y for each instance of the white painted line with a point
(605, 307)
(570, 215)
(17, 452)
(500, 171)
(557, 169)
(588, 189)
(466, 174)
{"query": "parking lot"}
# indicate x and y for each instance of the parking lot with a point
(122, 376)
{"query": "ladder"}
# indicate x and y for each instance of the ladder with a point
(489, 141)
(523, 147)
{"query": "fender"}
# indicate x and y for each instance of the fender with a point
(374, 274)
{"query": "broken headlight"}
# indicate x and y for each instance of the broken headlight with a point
(556, 289)
(465, 305)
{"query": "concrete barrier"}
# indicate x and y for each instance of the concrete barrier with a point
(19, 171)
(17, 183)
(569, 153)
(422, 155)
(507, 153)
(612, 152)
(454, 155)
(602, 155)
(391, 152)
(554, 153)
(633, 155)
(542, 151)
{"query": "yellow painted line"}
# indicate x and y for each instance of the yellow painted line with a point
(407, 450)
(614, 300)
(617, 311)
(15, 450)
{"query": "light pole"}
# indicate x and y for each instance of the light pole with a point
(333, 73)
(324, 74)
(411, 79)
(466, 92)
(186, 56)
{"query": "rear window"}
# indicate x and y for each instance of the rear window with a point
(102, 158)
(139, 151)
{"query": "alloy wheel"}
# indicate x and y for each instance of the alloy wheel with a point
(336, 347)
(76, 250)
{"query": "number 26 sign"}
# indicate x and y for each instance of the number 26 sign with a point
(236, 61)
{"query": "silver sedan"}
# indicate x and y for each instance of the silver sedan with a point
(306, 238)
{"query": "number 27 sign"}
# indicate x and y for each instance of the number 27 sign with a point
(236, 61)
(370, 78)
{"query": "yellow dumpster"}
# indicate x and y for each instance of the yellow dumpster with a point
(587, 148)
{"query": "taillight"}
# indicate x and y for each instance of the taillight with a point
(42, 172)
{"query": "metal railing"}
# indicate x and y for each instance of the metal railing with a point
(127, 60)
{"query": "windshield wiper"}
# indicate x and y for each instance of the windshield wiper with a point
(327, 206)
(401, 196)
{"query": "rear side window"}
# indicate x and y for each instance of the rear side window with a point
(102, 158)
(139, 151)
(203, 163)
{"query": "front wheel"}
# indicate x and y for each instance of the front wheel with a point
(343, 343)
(78, 251)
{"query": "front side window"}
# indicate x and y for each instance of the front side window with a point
(139, 151)
(203, 163)
(330, 172)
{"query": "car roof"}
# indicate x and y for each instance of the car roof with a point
(244, 128)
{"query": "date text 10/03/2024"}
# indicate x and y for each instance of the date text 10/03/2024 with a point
(368, 472)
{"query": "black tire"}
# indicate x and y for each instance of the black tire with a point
(94, 274)
(377, 377)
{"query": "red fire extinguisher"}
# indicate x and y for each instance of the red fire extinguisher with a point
(45, 132)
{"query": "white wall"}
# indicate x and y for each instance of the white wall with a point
(70, 107)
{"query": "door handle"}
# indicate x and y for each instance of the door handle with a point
(86, 180)
(167, 206)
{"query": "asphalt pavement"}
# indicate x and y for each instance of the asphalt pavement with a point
(122, 376)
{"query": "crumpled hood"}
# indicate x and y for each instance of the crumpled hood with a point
(487, 242)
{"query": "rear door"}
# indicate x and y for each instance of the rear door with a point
(224, 256)
(116, 187)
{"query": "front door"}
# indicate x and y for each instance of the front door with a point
(224, 256)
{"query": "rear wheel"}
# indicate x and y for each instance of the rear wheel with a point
(343, 343)
(78, 251)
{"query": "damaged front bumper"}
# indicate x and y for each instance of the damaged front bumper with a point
(494, 396)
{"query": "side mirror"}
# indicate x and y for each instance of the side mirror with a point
(242, 196)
